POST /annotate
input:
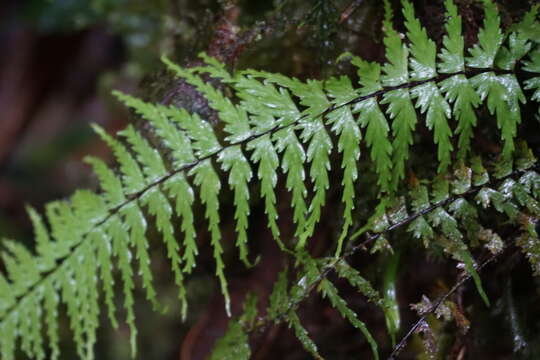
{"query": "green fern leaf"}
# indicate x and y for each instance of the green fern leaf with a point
(449, 227)
(524, 199)
(302, 335)
(396, 69)
(277, 121)
(490, 38)
(263, 99)
(451, 55)
(457, 89)
(264, 153)
(423, 50)
(132, 175)
(136, 225)
(372, 118)
(30, 326)
(50, 308)
(233, 161)
(234, 345)
(200, 132)
(278, 298)
(346, 128)
(354, 278)
(419, 226)
(314, 133)
(213, 67)
(266, 102)
(9, 336)
(159, 206)
(437, 110)
(104, 254)
(395, 72)
(178, 188)
(109, 182)
(45, 249)
(318, 152)
(208, 181)
(329, 290)
(63, 225)
(495, 88)
(152, 163)
(401, 110)
(8, 298)
(467, 215)
(518, 47)
(21, 269)
(293, 165)
(70, 297)
(235, 118)
(528, 26)
(429, 99)
(160, 117)
(311, 96)
(120, 246)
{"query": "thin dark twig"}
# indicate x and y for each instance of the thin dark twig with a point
(435, 306)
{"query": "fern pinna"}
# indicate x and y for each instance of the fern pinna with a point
(275, 124)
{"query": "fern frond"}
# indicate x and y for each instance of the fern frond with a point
(428, 97)
(354, 278)
(278, 298)
(303, 335)
(328, 290)
(235, 344)
(320, 146)
(490, 38)
(343, 124)
(400, 109)
(120, 246)
(104, 255)
(264, 153)
(371, 117)
(164, 121)
(264, 100)
(132, 176)
(494, 88)
(178, 188)
(457, 89)
(206, 178)
(292, 164)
